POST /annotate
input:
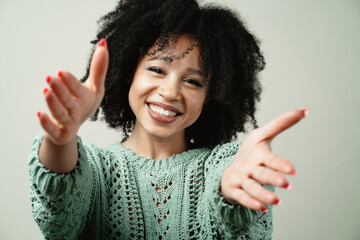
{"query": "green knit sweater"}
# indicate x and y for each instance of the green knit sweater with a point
(115, 194)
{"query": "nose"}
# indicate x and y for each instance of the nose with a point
(170, 89)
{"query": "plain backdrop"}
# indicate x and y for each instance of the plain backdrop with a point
(312, 49)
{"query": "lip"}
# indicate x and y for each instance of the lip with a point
(161, 118)
(165, 107)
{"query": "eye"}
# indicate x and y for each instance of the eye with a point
(193, 81)
(156, 70)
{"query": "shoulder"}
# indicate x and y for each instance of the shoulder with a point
(221, 156)
(103, 152)
(227, 150)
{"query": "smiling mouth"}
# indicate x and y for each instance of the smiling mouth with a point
(163, 111)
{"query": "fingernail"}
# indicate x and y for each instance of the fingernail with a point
(305, 112)
(59, 73)
(102, 43)
(293, 173)
(45, 90)
(264, 210)
(288, 186)
(278, 202)
(38, 114)
(48, 78)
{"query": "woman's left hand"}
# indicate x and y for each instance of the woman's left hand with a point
(255, 164)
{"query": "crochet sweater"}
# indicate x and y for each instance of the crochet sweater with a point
(115, 194)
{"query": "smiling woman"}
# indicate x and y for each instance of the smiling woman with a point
(233, 62)
(163, 72)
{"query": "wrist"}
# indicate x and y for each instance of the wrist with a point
(58, 158)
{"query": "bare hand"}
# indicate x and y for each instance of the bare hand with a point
(255, 164)
(71, 102)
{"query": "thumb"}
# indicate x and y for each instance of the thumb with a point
(283, 122)
(98, 67)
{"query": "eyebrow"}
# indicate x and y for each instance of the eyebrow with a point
(195, 71)
(167, 59)
(163, 59)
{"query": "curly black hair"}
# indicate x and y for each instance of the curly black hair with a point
(230, 56)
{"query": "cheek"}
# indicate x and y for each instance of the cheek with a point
(138, 90)
(131, 98)
(196, 103)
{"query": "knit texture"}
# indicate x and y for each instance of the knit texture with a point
(115, 194)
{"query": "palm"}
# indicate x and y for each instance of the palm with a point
(255, 164)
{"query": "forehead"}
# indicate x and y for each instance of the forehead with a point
(185, 48)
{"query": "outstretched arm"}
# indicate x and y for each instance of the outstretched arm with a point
(65, 180)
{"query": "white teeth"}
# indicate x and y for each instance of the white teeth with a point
(161, 111)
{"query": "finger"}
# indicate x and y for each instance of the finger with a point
(57, 109)
(49, 126)
(75, 87)
(241, 197)
(98, 67)
(62, 92)
(282, 122)
(278, 163)
(267, 176)
(258, 192)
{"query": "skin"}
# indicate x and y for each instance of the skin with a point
(71, 103)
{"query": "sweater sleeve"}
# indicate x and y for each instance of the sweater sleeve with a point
(233, 221)
(61, 203)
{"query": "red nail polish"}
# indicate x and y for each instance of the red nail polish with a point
(59, 73)
(264, 210)
(288, 186)
(38, 114)
(278, 202)
(48, 78)
(102, 43)
(305, 112)
(45, 90)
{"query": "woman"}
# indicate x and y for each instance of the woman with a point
(181, 81)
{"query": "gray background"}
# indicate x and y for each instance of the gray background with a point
(312, 50)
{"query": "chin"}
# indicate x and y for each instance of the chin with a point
(162, 132)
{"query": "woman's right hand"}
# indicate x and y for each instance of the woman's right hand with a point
(71, 102)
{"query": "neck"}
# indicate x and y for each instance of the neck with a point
(154, 147)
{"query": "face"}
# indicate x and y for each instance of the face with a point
(168, 91)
